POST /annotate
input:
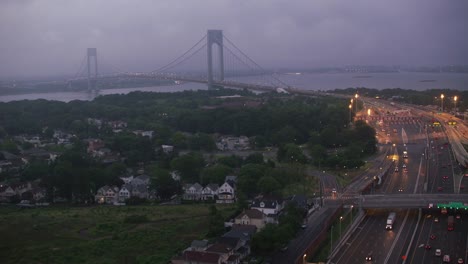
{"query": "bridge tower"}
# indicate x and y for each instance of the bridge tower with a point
(215, 37)
(92, 71)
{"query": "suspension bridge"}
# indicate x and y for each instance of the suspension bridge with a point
(214, 60)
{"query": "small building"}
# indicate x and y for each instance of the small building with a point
(251, 217)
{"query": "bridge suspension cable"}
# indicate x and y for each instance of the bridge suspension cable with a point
(176, 61)
(252, 61)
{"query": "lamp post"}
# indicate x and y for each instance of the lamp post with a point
(304, 259)
(442, 101)
(352, 213)
(356, 96)
(341, 218)
(455, 98)
(350, 107)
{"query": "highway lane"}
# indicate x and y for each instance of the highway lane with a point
(453, 243)
(371, 235)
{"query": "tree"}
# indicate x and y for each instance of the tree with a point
(232, 161)
(216, 221)
(163, 183)
(214, 174)
(268, 185)
(318, 153)
(249, 175)
(35, 170)
(256, 158)
(188, 166)
(291, 153)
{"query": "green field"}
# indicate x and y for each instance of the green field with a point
(101, 234)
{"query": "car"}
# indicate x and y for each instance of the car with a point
(460, 261)
(369, 257)
(438, 252)
(400, 189)
(443, 211)
(432, 237)
(284, 248)
(445, 177)
(396, 169)
(427, 246)
(440, 188)
(404, 165)
(333, 190)
(458, 216)
(436, 220)
(304, 226)
(446, 259)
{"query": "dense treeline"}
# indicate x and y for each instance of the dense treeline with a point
(304, 130)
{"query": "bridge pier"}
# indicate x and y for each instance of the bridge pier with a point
(215, 37)
(92, 73)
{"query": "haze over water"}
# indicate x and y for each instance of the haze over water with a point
(308, 81)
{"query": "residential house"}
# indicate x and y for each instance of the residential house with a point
(6, 192)
(210, 191)
(126, 179)
(223, 250)
(175, 175)
(62, 138)
(270, 206)
(117, 124)
(193, 192)
(94, 145)
(199, 245)
(141, 180)
(251, 217)
(140, 191)
(233, 143)
(144, 133)
(226, 194)
(167, 148)
(96, 122)
(298, 200)
(107, 194)
(125, 192)
(21, 187)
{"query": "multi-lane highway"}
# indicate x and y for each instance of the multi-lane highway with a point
(430, 167)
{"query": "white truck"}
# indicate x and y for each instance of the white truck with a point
(390, 221)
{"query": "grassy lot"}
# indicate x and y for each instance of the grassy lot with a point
(101, 234)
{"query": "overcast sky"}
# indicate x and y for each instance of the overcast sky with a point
(50, 37)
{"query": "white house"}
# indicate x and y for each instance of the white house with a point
(226, 194)
(193, 192)
(125, 192)
(210, 191)
(269, 206)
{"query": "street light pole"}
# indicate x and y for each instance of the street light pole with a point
(304, 259)
(356, 96)
(341, 218)
(350, 107)
(442, 101)
(455, 98)
(352, 213)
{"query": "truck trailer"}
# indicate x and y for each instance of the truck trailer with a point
(390, 221)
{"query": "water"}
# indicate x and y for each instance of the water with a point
(313, 81)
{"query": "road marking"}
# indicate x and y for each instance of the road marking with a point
(396, 238)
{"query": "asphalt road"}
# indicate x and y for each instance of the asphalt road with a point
(434, 167)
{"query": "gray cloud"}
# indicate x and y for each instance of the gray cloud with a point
(47, 37)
